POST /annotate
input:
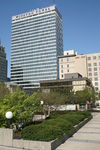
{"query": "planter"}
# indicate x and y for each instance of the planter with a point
(6, 139)
(57, 142)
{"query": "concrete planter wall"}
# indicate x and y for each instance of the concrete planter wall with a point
(31, 145)
(6, 139)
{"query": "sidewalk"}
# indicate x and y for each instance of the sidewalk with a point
(8, 148)
(87, 138)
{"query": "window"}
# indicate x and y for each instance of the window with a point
(61, 71)
(96, 83)
(89, 58)
(94, 57)
(95, 64)
(89, 69)
(61, 66)
(90, 74)
(89, 64)
(67, 59)
(67, 70)
(96, 79)
(99, 57)
(67, 65)
(95, 69)
(95, 74)
(62, 75)
(61, 60)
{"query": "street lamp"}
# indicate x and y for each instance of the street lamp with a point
(9, 116)
(42, 102)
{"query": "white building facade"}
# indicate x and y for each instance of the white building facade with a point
(36, 44)
(88, 65)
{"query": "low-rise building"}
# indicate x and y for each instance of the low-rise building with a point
(88, 65)
(75, 81)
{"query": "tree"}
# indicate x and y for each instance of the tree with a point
(31, 105)
(86, 95)
(4, 91)
(13, 102)
(21, 105)
(53, 98)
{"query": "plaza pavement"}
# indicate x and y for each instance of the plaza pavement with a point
(87, 138)
(8, 148)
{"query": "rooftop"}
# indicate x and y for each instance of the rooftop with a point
(34, 12)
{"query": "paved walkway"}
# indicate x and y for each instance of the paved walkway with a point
(8, 148)
(87, 138)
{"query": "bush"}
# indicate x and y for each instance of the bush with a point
(2, 121)
(48, 130)
(54, 127)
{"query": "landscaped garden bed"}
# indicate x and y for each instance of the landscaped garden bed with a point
(46, 135)
(54, 127)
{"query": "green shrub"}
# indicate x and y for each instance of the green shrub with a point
(54, 127)
(48, 130)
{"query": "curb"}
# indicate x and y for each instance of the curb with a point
(58, 142)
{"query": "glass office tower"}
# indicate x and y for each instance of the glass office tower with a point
(3, 64)
(36, 44)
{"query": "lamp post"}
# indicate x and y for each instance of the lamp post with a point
(9, 116)
(42, 102)
(42, 109)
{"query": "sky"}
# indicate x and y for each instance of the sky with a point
(81, 22)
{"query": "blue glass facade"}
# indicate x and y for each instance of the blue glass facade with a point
(36, 44)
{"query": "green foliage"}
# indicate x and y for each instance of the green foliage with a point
(4, 91)
(98, 96)
(53, 98)
(67, 96)
(2, 123)
(54, 127)
(31, 105)
(21, 105)
(85, 95)
(81, 97)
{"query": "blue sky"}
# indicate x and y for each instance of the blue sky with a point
(81, 22)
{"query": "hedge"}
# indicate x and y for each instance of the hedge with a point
(54, 127)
